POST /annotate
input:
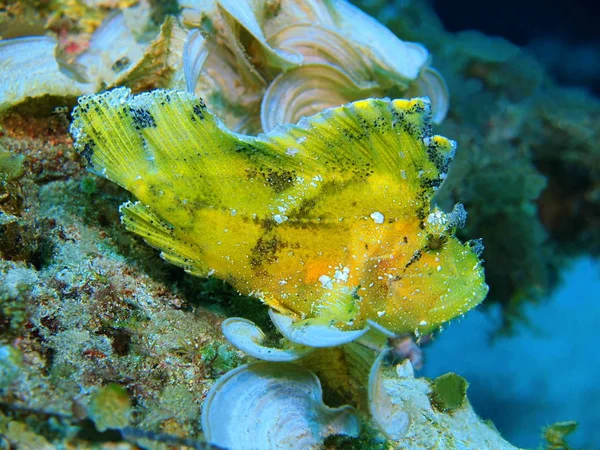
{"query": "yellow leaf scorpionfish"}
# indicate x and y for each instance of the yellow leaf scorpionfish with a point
(328, 222)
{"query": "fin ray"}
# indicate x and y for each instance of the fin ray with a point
(140, 220)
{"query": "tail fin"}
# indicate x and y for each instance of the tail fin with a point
(103, 121)
(163, 142)
(126, 137)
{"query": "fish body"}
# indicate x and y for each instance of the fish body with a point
(329, 221)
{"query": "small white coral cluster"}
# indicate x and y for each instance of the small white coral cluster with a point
(280, 61)
(278, 405)
(258, 64)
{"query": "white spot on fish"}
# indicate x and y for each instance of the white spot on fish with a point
(279, 218)
(326, 281)
(342, 275)
(377, 217)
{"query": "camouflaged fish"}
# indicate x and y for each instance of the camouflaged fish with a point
(328, 221)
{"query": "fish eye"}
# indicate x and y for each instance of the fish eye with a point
(435, 242)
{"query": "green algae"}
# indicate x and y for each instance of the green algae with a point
(11, 169)
(220, 358)
(88, 185)
(370, 439)
(21, 435)
(449, 392)
(18, 281)
(556, 434)
(110, 408)
(11, 165)
(10, 365)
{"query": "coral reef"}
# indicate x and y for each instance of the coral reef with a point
(104, 344)
(431, 426)
(508, 115)
(402, 407)
(83, 305)
(116, 55)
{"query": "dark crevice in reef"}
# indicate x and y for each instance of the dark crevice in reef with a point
(28, 242)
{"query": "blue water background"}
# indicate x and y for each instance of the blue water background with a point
(546, 372)
(564, 35)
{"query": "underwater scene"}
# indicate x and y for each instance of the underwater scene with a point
(299, 224)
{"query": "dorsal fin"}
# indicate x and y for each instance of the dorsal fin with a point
(165, 146)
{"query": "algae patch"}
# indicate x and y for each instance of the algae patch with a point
(110, 408)
(449, 392)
